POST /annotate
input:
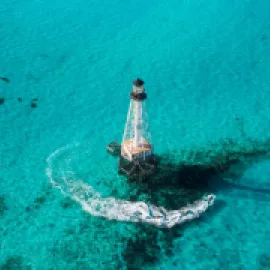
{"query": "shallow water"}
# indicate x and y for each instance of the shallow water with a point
(206, 68)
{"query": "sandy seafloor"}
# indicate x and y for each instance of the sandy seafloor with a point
(206, 65)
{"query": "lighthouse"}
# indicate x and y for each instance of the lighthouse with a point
(137, 156)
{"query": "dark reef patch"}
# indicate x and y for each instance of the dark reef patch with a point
(2, 100)
(67, 203)
(4, 79)
(139, 253)
(264, 261)
(14, 263)
(3, 206)
(88, 244)
(40, 200)
(148, 244)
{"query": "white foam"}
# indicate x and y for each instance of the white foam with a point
(111, 208)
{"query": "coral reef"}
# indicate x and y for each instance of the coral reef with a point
(14, 263)
(264, 261)
(3, 206)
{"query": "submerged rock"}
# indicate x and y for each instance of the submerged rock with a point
(4, 79)
(14, 263)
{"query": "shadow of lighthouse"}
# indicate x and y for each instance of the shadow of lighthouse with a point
(174, 185)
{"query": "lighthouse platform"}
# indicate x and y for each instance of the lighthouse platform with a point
(136, 168)
(130, 152)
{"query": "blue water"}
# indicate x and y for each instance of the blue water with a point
(206, 65)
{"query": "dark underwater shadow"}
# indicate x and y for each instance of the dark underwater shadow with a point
(173, 186)
(176, 184)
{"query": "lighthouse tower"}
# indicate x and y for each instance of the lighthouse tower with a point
(137, 157)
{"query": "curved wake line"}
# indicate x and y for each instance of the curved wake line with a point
(93, 203)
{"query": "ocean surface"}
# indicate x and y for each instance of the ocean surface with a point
(66, 71)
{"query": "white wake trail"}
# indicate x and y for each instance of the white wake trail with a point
(64, 178)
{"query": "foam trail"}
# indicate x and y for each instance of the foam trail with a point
(111, 208)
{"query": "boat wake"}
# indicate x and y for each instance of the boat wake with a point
(63, 175)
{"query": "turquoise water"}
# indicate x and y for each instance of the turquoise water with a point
(206, 68)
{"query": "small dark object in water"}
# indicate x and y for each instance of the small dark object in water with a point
(4, 79)
(114, 148)
(19, 99)
(33, 105)
(34, 99)
(2, 100)
(40, 200)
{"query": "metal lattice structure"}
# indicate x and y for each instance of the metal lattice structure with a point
(137, 148)
(133, 144)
